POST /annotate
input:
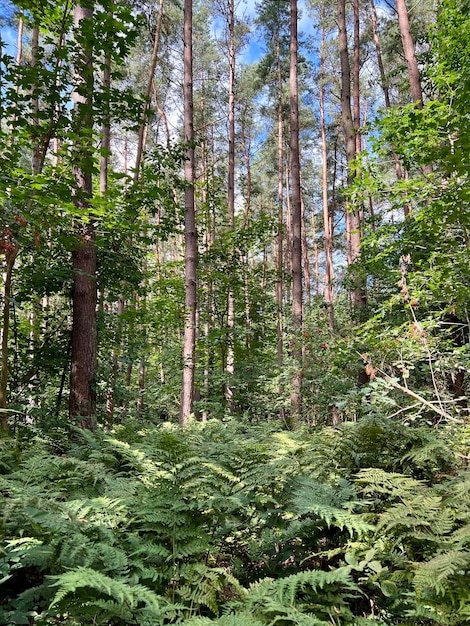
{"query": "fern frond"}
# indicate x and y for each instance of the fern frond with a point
(289, 587)
(437, 573)
(331, 505)
(396, 486)
(120, 590)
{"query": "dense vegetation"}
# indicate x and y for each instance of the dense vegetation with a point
(232, 524)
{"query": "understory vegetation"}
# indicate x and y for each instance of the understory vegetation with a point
(236, 523)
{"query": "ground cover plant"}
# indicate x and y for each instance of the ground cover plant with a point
(235, 523)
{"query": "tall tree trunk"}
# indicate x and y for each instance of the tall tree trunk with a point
(82, 401)
(409, 52)
(327, 226)
(356, 77)
(280, 219)
(353, 215)
(306, 260)
(386, 92)
(316, 261)
(296, 396)
(190, 251)
(10, 256)
(378, 51)
(231, 200)
(150, 82)
(411, 61)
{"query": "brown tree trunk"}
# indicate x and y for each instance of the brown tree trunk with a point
(356, 78)
(306, 260)
(386, 91)
(190, 251)
(327, 226)
(353, 220)
(296, 396)
(82, 401)
(150, 81)
(280, 219)
(411, 61)
(10, 256)
(409, 52)
(316, 260)
(378, 51)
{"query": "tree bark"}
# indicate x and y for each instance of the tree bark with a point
(385, 87)
(409, 52)
(411, 63)
(296, 207)
(82, 401)
(353, 220)
(280, 222)
(231, 201)
(190, 253)
(10, 256)
(327, 226)
(150, 82)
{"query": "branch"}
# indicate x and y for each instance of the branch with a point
(420, 399)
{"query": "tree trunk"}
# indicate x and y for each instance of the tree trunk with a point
(190, 252)
(411, 61)
(296, 396)
(316, 261)
(280, 222)
(150, 82)
(356, 78)
(10, 256)
(306, 260)
(353, 220)
(82, 401)
(409, 52)
(231, 201)
(386, 91)
(327, 226)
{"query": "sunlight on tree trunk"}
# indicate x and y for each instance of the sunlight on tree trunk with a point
(190, 249)
(327, 219)
(296, 395)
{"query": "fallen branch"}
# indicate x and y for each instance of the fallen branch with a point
(420, 399)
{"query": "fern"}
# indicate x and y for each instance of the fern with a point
(437, 573)
(333, 505)
(236, 524)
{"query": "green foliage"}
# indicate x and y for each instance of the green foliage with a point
(236, 524)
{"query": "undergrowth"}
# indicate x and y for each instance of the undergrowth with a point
(236, 525)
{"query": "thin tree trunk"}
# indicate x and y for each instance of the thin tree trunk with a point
(378, 51)
(296, 397)
(316, 263)
(352, 215)
(409, 52)
(288, 237)
(411, 61)
(231, 202)
(280, 220)
(356, 78)
(111, 399)
(386, 91)
(10, 256)
(82, 401)
(153, 64)
(245, 146)
(327, 226)
(306, 260)
(190, 252)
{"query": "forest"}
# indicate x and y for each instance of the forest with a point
(234, 300)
